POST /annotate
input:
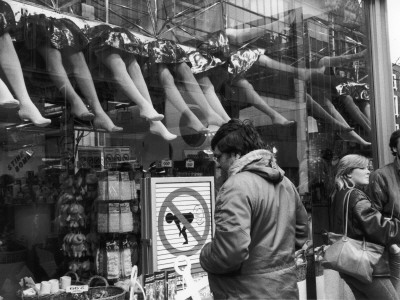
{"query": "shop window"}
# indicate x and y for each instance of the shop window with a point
(123, 91)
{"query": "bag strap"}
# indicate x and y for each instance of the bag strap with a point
(391, 216)
(346, 210)
(346, 203)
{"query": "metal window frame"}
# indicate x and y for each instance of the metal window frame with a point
(383, 120)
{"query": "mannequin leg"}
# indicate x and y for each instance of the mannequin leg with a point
(355, 113)
(196, 95)
(340, 60)
(11, 67)
(301, 73)
(6, 99)
(55, 67)
(116, 65)
(80, 71)
(366, 110)
(211, 96)
(247, 94)
(317, 111)
(351, 136)
(135, 73)
(174, 96)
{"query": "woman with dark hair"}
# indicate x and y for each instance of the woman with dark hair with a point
(259, 221)
(364, 222)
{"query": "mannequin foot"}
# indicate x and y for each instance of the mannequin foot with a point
(80, 111)
(29, 112)
(149, 113)
(354, 137)
(281, 120)
(339, 127)
(215, 119)
(196, 125)
(158, 128)
(87, 116)
(213, 128)
(346, 129)
(201, 129)
(10, 103)
(103, 121)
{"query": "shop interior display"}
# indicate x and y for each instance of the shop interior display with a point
(166, 54)
(12, 70)
(59, 42)
(119, 56)
(8, 100)
(150, 82)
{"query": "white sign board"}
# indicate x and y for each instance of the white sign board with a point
(182, 218)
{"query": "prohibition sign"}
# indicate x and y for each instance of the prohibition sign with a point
(168, 204)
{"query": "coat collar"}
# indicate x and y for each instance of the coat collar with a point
(261, 162)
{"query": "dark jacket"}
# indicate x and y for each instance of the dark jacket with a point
(364, 220)
(259, 220)
(384, 189)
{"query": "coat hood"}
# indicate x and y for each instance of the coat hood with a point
(260, 162)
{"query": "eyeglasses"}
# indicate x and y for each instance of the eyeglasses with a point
(217, 156)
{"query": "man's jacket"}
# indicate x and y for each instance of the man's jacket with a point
(260, 221)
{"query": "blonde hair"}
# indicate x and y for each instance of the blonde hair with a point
(345, 166)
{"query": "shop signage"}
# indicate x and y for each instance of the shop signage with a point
(190, 163)
(20, 161)
(114, 155)
(90, 158)
(77, 289)
(183, 214)
(166, 163)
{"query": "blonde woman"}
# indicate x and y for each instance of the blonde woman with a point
(364, 221)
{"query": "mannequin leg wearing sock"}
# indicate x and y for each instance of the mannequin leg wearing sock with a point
(11, 67)
(245, 93)
(58, 74)
(174, 96)
(196, 95)
(116, 65)
(317, 111)
(135, 73)
(211, 96)
(6, 99)
(80, 71)
(355, 113)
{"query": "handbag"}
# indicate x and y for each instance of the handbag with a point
(349, 256)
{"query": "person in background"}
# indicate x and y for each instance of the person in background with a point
(384, 190)
(259, 220)
(363, 221)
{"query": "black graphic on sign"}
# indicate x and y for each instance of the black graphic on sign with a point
(199, 237)
(188, 216)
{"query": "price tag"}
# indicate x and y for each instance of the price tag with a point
(77, 289)
(190, 163)
(166, 163)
